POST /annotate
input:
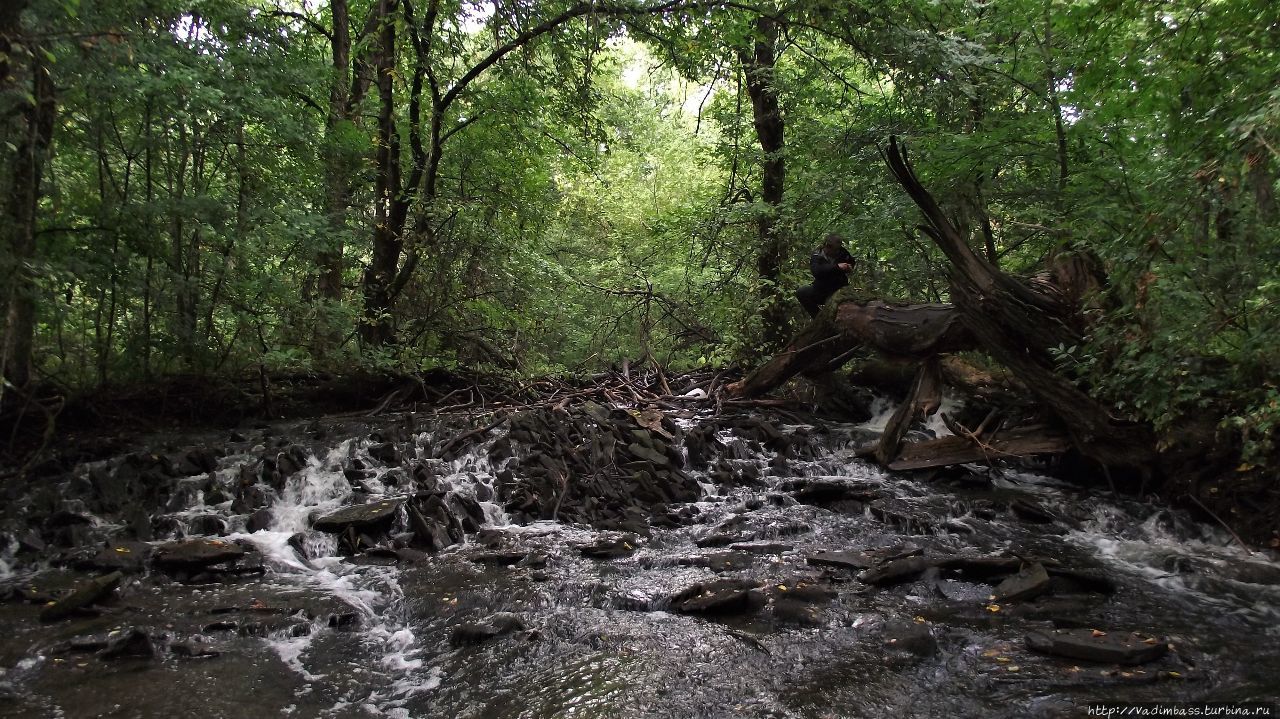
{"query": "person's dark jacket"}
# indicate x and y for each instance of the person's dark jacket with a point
(827, 277)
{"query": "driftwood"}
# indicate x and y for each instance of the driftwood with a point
(1014, 320)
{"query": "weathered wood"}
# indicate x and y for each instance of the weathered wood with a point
(1018, 323)
(923, 400)
(947, 451)
(850, 322)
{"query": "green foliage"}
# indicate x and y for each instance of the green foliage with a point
(598, 188)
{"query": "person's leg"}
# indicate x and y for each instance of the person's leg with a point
(808, 297)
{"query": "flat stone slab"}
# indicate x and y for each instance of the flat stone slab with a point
(852, 561)
(719, 561)
(85, 594)
(899, 570)
(359, 516)
(196, 553)
(1029, 583)
(980, 567)
(1092, 645)
(724, 597)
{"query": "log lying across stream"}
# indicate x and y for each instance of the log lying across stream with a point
(1016, 321)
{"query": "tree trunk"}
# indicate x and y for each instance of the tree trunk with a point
(1018, 325)
(338, 170)
(846, 325)
(377, 327)
(759, 62)
(30, 130)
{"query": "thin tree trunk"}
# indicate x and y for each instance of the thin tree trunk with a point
(31, 130)
(759, 62)
(377, 327)
(337, 166)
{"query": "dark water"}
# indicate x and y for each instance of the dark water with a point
(601, 639)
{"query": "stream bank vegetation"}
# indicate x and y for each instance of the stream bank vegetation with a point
(221, 203)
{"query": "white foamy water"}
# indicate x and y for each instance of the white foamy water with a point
(1212, 569)
(882, 411)
(373, 592)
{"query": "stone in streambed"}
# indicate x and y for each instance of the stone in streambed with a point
(133, 643)
(499, 558)
(127, 557)
(896, 571)
(477, 632)
(723, 597)
(1092, 645)
(762, 547)
(719, 561)
(1029, 583)
(980, 567)
(1066, 581)
(85, 594)
(610, 548)
(196, 553)
(359, 516)
(911, 637)
(852, 561)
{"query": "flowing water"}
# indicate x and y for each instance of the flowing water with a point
(321, 635)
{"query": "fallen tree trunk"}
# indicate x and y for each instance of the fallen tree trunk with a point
(849, 323)
(1016, 321)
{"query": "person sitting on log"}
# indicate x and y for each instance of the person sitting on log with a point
(830, 265)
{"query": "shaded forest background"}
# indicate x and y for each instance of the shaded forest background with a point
(221, 188)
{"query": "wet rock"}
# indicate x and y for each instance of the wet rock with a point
(794, 612)
(360, 516)
(720, 539)
(851, 561)
(623, 546)
(495, 626)
(719, 561)
(133, 643)
(1092, 645)
(980, 567)
(385, 452)
(730, 596)
(210, 525)
(1029, 583)
(127, 557)
(1067, 581)
(345, 621)
(259, 521)
(85, 594)
(1029, 511)
(193, 649)
(500, 559)
(298, 541)
(912, 637)
(250, 497)
(196, 553)
(896, 571)
(822, 492)
(762, 547)
(534, 560)
(83, 644)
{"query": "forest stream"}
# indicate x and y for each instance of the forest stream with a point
(735, 564)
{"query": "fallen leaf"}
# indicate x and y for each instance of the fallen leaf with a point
(1014, 668)
(1098, 633)
(993, 607)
